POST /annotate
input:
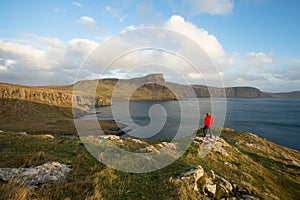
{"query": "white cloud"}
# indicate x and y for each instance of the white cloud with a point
(86, 20)
(59, 10)
(195, 76)
(3, 68)
(208, 42)
(258, 59)
(88, 23)
(56, 64)
(77, 4)
(115, 14)
(214, 7)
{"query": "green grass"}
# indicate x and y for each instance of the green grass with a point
(90, 179)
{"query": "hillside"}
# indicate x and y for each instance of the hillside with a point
(155, 87)
(295, 94)
(150, 87)
(240, 166)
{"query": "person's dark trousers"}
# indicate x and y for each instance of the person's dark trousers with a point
(205, 129)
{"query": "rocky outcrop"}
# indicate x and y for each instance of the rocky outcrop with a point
(191, 176)
(211, 183)
(46, 173)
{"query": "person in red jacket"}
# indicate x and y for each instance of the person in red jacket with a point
(208, 123)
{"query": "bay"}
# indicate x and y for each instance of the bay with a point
(276, 119)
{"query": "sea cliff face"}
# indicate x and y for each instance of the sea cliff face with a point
(60, 98)
(150, 87)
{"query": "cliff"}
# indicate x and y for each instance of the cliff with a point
(294, 94)
(150, 87)
(60, 98)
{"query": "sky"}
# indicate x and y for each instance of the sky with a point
(248, 42)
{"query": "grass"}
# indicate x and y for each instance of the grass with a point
(37, 118)
(90, 179)
(256, 165)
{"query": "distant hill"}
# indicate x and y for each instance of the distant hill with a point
(294, 94)
(150, 87)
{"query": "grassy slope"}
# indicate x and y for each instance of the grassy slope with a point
(262, 170)
(36, 118)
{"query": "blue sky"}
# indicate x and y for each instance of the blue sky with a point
(253, 42)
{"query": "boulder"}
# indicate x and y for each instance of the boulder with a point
(48, 172)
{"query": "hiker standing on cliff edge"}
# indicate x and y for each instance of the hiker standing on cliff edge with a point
(208, 123)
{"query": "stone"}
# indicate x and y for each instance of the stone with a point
(199, 139)
(137, 141)
(169, 145)
(22, 133)
(197, 143)
(218, 147)
(211, 189)
(109, 137)
(192, 175)
(46, 173)
(225, 184)
(1, 131)
(47, 136)
(149, 149)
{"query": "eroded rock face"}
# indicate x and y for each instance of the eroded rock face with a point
(192, 175)
(48, 172)
(51, 97)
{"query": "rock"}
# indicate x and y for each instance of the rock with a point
(169, 145)
(225, 184)
(229, 164)
(211, 174)
(192, 175)
(199, 139)
(48, 172)
(22, 133)
(228, 129)
(109, 137)
(149, 149)
(197, 143)
(1, 131)
(47, 136)
(211, 189)
(218, 147)
(137, 141)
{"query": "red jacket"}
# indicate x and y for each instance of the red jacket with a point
(208, 121)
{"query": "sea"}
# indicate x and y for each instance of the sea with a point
(275, 119)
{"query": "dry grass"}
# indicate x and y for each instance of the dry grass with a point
(15, 191)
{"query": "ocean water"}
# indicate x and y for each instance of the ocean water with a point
(275, 119)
